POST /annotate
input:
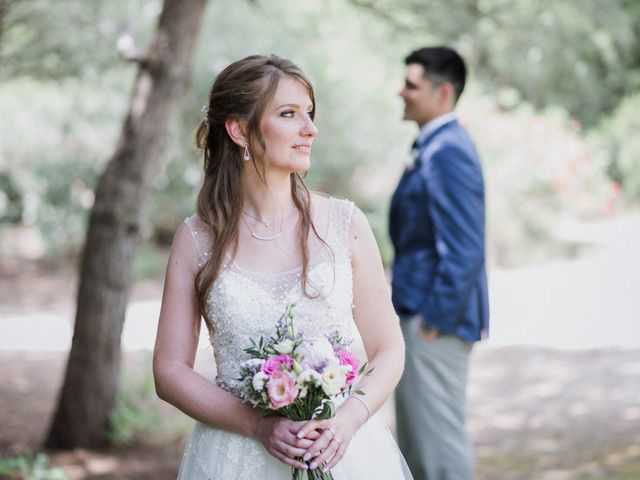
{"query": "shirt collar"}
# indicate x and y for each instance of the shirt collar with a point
(431, 126)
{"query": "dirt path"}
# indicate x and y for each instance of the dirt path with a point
(533, 413)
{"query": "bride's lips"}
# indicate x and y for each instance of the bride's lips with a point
(302, 147)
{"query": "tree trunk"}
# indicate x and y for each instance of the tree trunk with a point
(89, 391)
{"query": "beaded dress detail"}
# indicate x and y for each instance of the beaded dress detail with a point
(244, 304)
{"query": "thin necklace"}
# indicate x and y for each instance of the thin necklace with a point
(260, 237)
(267, 224)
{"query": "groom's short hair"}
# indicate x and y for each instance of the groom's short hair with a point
(441, 64)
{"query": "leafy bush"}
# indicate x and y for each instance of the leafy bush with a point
(52, 152)
(132, 417)
(538, 169)
(30, 467)
(139, 416)
(619, 140)
(537, 165)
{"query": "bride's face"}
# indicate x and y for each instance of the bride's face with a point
(287, 127)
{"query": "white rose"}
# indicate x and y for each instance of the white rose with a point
(334, 378)
(308, 377)
(285, 346)
(315, 354)
(258, 381)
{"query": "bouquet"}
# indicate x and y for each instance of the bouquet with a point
(299, 378)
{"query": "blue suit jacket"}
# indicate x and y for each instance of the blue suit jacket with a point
(437, 226)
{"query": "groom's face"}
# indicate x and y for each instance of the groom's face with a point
(422, 99)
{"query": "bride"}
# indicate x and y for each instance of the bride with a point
(258, 242)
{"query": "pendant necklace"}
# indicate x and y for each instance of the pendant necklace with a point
(260, 237)
(266, 224)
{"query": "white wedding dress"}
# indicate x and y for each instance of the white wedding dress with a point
(246, 303)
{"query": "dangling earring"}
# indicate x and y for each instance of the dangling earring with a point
(246, 156)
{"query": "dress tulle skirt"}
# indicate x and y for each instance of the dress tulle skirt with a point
(213, 454)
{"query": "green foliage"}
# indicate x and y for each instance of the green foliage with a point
(71, 38)
(150, 261)
(583, 56)
(619, 140)
(134, 416)
(139, 416)
(538, 168)
(60, 120)
(29, 467)
(52, 151)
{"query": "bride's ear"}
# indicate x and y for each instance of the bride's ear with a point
(235, 129)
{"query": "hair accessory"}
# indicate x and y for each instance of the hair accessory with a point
(205, 110)
(246, 153)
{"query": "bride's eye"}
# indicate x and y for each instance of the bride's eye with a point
(287, 114)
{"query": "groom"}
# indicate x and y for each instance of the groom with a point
(439, 282)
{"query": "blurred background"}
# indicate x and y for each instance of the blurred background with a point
(552, 102)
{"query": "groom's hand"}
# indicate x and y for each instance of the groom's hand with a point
(427, 332)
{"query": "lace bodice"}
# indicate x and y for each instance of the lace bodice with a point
(246, 304)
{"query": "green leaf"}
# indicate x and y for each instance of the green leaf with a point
(328, 409)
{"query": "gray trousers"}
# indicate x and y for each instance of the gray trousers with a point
(430, 406)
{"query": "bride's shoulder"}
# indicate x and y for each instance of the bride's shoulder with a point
(200, 236)
(330, 204)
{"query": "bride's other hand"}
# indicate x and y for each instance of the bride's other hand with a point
(278, 436)
(333, 436)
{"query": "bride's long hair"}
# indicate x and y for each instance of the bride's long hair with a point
(242, 90)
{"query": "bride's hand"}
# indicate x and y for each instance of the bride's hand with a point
(278, 435)
(333, 437)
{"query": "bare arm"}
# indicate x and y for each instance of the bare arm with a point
(382, 338)
(375, 317)
(178, 384)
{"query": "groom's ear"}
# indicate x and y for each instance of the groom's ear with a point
(447, 93)
(235, 129)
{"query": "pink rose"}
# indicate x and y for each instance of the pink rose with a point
(282, 389)
(276, 362)
(348, 358)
